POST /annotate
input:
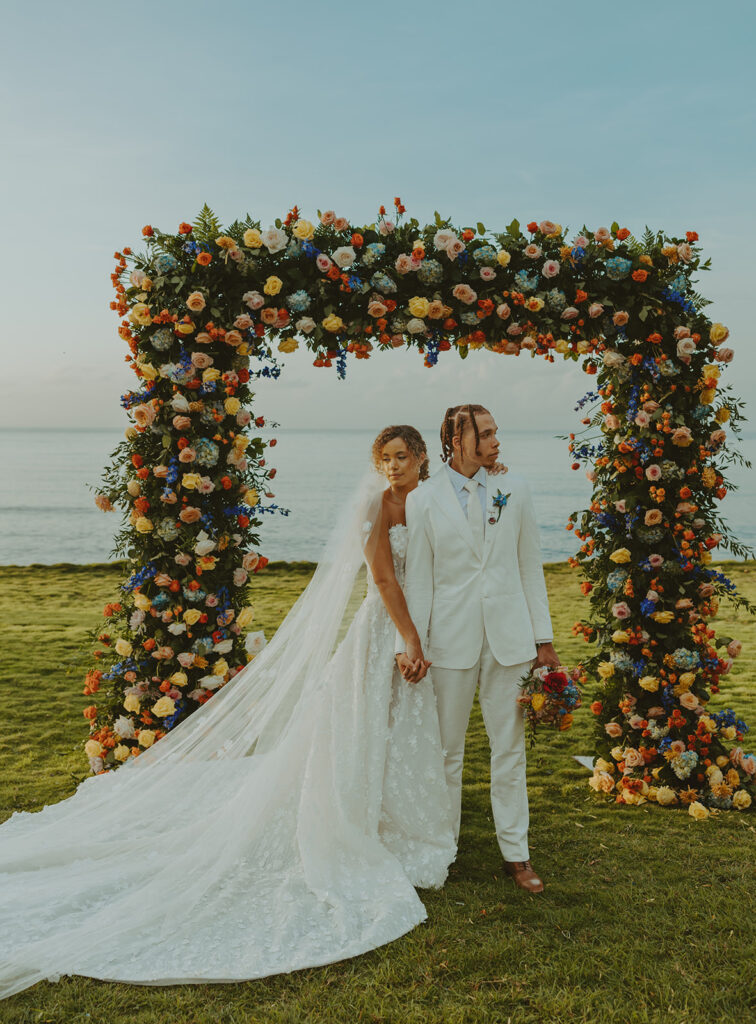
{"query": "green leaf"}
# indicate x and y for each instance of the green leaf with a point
(437, 217)
(514, 228)
(615, 227)
(278, 222)
(481, 229)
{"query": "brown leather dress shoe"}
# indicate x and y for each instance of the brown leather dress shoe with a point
(524, 875)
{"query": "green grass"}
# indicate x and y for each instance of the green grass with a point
(647, 915)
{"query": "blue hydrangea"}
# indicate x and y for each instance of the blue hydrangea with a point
(164, 263)
(686, 659)
(161, 600)
(679, 283)
(194, 595)
(526, 282)
(178, 373)
(167, 529)
(162, 339)
(382, 282)
(372, 253)
(202, 645)
(616, 579)
(622, 661)
(430, 272)
(485, 254)
(618, 267)
(208, 414)
(294, 248)
(684, 763)
(207, 452)
(556, 300)
(299, 301)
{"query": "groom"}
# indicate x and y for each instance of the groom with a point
(475, 588)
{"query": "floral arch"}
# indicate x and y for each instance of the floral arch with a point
(204, 311)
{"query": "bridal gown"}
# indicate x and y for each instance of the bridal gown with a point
(300, 854)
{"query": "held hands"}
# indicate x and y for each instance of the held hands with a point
(412, 664)
(546, 656)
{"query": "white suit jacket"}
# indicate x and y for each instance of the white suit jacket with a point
(455, 591)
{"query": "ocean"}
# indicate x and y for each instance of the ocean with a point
(48, 515)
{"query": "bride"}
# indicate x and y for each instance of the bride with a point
(284, 825)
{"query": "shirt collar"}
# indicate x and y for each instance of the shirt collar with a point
(459, 480)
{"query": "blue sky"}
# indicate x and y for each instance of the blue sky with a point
(119, 115)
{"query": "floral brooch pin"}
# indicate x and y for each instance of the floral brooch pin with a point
(499, 502)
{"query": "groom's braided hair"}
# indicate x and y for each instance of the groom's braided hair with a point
(456, 419)
(411, 437)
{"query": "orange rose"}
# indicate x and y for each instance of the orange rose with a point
(203, 258)
(639, 275)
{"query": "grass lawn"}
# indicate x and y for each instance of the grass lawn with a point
(647, 914)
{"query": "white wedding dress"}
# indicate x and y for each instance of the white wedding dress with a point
(282, 826)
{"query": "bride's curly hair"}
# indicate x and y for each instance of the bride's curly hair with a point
(411, 437)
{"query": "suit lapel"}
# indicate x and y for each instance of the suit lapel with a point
(446, 498)
(493, 530)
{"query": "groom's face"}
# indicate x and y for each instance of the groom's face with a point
(488, 445)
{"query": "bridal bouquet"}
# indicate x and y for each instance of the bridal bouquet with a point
(549, 696)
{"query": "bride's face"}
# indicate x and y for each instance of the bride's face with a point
(399, 465)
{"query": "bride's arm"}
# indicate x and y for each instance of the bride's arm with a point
(392, 595)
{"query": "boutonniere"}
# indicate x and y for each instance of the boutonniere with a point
(499, 502)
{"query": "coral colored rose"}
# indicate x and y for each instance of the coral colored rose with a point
(595, 309)
(190, 514)
(613, 729)
(639, 275)
(532, 251)
(620, 318)
(196, 302)
(341, 224)
(243, 322)
(464, 293)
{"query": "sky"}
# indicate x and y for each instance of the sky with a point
(115, 116)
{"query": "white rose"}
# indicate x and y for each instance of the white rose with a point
(124, 727)
(253, 299)
(211, 682)
(254, 642)
(177, 628)
(240, 577)
(686, 347)
(274, 239)
(204, 544)
(344, 256)
(444, 238)
(305, 324)
(416, 325)
(613, 358)
(180, 404)
(223, 646)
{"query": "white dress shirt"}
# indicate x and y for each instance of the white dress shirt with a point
(459, 480)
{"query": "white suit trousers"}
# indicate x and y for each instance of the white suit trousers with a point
(499, 689)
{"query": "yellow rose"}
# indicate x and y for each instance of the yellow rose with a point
(130, 433)
(146, 737)
(143, 525)
(534, 304)
(189, 481)
(185, 328)
(503, 257)
(140, 314)
(722, 761)
(142, 602)
(606, 669)
(663, 617)
(333, 323)
(121, 752)
(164, 707)
(698, 811)
(741, 800)
(583, 346)
(729, 732)
(708, 723)
(686, 680)
(178, 679)
(273, 285)
(220, 667)
(709, 475)
(650, 683)
(714, 775)
(710, 370)
(252, 238)
(707, 396)
(722, 415)
(245, 617)
(92, 748)
(418, 306)
(706, 557)
(241, 442)
(191, 615)
(288, 345)
(148, 371)
(134, 488)
(251, 498)
(303, 229)
(537, 701)
(620, 555)
(232, 406)
(620, 636)
(718, 333)
(210, 374)
(123, 647)
(617, 753)
(132, 702)
(562, 346)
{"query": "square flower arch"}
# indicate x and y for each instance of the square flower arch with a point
(204, 311)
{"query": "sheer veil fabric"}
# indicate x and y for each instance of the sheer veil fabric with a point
(284, 825)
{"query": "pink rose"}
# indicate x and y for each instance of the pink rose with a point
(532, 251)
(323, 263)
(547, 227)
(404, 263)
(621, 505)
(211, 601)
(724, 355)
(511, 348)
(144, 414)
(570, 313)
(653, 472)
(341, 223)
(611, 421)
(602, 234)
(621, 610)
(636, 722)
(385, 227)
(240, 577)
(327, 218)
(650, 405)
(487, 273)
(716, 437)
(685, 252)
(681, 332)
(550, 268)
(253, 299)
(677, 747)
(655, 561)
(181, 422)
(454, 248)
(595, 309)
(613, 729)
(682, 437)
(620, 318)
(243, 417)
(514, 330)
(464, 293)
(655, 712)
(503, 311)
(581, 242)
(734, 648)
(642, 419)
(688, 701)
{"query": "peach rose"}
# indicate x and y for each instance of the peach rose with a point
(652, 517)
(341, 223)
(503, 311)
(190, 514)
(196, 302)
(682, 437)
(688, 700)
(187, 455)
(253, 299)
(464, 293)
(620, 318)
(181, 422)
(595, 309)
(404, 263)
(613, 729)
(328, 217)
(201, 360)
(602, 234)
(724, 355)
(243, 322)
(570, 313)
(633, 758)
(532, 251)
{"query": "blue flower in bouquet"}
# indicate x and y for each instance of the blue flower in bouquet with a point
(161, 601)
(526, 282)
(616, 579)
(168, 723)
(485, 254)
(469, 318)
(556, 300)
(382, 282)
(621, 661)
(211, 411)
(162, 339)
(207, 452)
(167, 529)
(294, 248)
(430, 272)
(618, 267)
(372, 253)
(668, 369)
(177, 373)
(647, 607)
(194, 596)
(202, 645)
(299, 301)
(164, 263)
(684, 763)
(686, 659)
